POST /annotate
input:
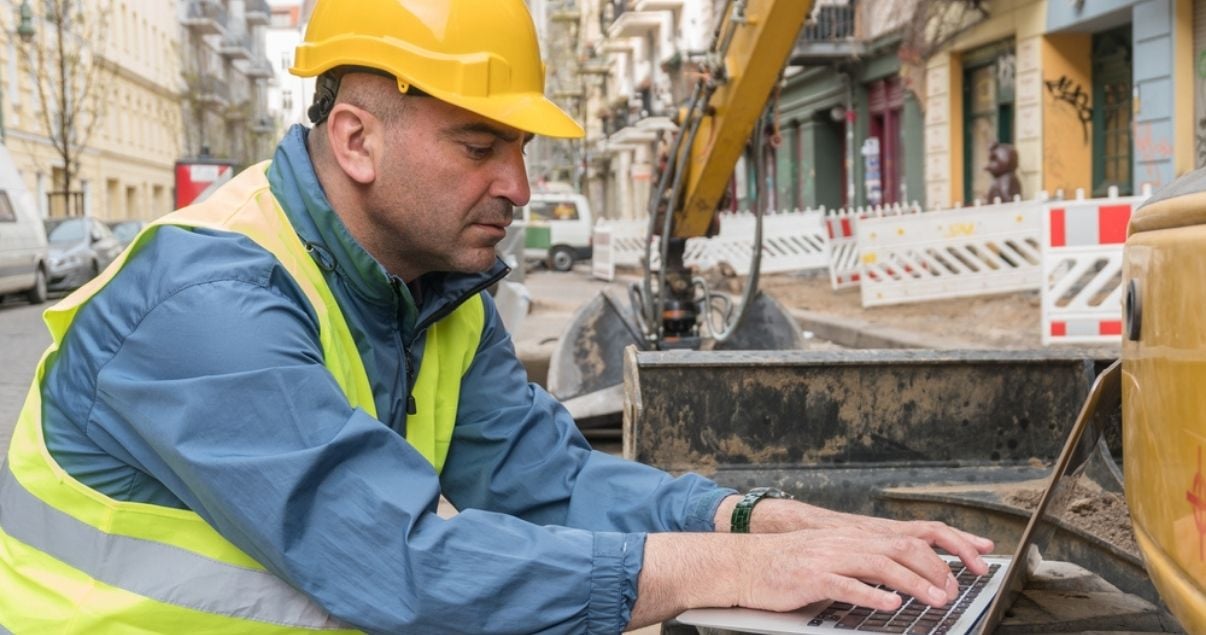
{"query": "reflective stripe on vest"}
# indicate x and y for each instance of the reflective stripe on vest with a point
(74, 560)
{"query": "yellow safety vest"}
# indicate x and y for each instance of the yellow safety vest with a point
(74, 560)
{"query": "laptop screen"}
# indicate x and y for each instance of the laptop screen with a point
(1083, 442)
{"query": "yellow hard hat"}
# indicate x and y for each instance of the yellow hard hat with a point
(481, 55)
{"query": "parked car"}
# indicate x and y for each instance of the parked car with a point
(80, 248)
(558, 228)
(23, 253)
(125, 230)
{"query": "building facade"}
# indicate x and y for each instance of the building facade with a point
(227, 76)
(126, 136)
(850, 130)
(1095, 96)
(288, 96)
(638, 69)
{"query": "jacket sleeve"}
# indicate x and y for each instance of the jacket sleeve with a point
(219, 392)
(516, 450)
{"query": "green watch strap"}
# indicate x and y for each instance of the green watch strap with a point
(740, 523)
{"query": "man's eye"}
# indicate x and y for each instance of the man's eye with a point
(479, 152)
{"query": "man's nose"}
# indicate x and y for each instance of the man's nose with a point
(511, 182)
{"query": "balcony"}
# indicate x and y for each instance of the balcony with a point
(206, 17)
(632, 136)
(658, 5)
(609, 12)
(236, 47)
(263, 125)
(565, 94)
(258, 12)
(213, 91)
(639, 23)
(830, 34)
(619, 45)
(260, 68)
(564, 11)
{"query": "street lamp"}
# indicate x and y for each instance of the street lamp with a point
(25, 31)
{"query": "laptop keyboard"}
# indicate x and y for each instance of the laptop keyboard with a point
(914, 617)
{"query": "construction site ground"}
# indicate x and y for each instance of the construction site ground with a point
(1003, 321)
(828, 318)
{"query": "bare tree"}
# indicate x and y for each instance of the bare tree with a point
(933, 25)
(66, 61)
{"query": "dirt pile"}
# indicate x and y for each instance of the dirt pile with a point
(1091, 509)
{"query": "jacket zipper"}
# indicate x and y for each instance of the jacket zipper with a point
(411, 405)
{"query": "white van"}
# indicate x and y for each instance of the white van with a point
(22, 236)
(558, 228)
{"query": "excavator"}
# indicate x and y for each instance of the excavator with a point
(716, 385)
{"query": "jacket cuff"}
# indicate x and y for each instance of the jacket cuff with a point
(703, 510)
(616, 563)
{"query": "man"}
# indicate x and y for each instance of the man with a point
(247, 424)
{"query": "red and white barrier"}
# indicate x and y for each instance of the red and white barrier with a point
(1082, 268)
(954, 253)
(841, 228)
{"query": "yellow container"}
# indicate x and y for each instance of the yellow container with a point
(1164, 393)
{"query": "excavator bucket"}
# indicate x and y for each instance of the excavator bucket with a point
(586, 367)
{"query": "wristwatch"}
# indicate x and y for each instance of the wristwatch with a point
(745, 507)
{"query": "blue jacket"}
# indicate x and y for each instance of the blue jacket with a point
(195, 380)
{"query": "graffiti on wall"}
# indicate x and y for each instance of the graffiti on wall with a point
(1150, 151)
(1071, 92)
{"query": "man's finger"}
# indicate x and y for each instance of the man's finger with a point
(910, 574)
(853, 591)
(967, 547)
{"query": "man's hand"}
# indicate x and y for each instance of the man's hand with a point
(777, 515)
(790, 570)
(802, 554)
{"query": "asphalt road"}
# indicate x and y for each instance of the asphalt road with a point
(23, 337)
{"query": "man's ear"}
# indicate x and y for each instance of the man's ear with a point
(354, 136)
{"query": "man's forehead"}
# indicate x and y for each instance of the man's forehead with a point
(492, 128)
(458, 121)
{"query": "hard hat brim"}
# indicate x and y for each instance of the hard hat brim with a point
(529, 112)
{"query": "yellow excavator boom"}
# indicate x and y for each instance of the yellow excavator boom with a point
(759, 50)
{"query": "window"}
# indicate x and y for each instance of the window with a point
(988, 79)
(548, 210)
(885, 101)
(7, 213)
(1112, 143)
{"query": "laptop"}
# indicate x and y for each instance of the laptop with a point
(982, 600)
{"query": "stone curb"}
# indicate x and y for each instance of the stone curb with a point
(855, 333)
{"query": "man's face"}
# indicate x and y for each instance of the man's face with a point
(444, 192)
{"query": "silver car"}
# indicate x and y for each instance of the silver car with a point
(79, 249)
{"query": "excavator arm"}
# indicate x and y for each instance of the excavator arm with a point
(760, 35)
(751, 44)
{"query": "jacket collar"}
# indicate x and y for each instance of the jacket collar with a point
(295, 185)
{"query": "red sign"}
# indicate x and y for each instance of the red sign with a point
(196, 180)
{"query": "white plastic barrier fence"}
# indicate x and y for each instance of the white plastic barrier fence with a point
(1082, 268)
(602, 260)
(791, 241)
(627, 246)
(841, 231)
(950, 254)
